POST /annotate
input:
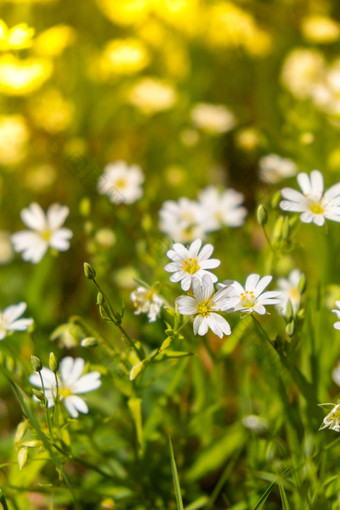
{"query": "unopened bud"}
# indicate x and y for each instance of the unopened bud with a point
(36, 363)
(261, 215)
(89, 271)
(290, 328)
(289, 311)
(276, 200)
(100, 298)
(285, 228)
(277, 232)
(90, 341)
(302, 284)
(52, 362)
(39, 395)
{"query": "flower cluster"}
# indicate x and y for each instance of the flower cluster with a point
(186, 220)
(191, 266)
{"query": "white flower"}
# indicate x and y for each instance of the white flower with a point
(337, 313)
(71, 383)
(45, 231)
(204, 304)
(336, 374)
(121, 182)
(314, 204)
(9, 320)
(190, 263)
(289, 291)
(146, 301)
(255, 423)
(213, 118)
(273, 168)
(221, 208)
(332, 420)
(251, 297)
(182, 220)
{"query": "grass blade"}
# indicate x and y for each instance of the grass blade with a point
(175, 478)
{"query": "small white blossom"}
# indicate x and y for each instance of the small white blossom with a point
(332, 420)
(251, 296)
(336, 374)
(10, 321)
(121, 182)
(71, 383)
(289, 291)
(190, 263)
(146, 301)
(221, 208)
(182, 221)
(45, 232)
(274, 168)
(213, 118)
(255, 423)
(314, 204)
(337, 313)
(204, 305)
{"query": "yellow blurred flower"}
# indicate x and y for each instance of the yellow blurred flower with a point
(151, 95)
(125, 12)
(123, 56)
(227, 25)
(51, 112)
(16, 38)
(14, 135)
(248, 139)
(40, 177)
(54, 40)
(319, 29)
(20, 77)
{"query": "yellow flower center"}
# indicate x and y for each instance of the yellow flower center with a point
(190, 266)
(120, 183)
(335, 416)
(294, 295)
(46, 236)
(316, 207)
(205, 307)
(247, 299)
(65, 392)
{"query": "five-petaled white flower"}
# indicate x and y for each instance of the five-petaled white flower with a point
(121, 182)
(221, 208)
(315, 205)
(251, 296)
(204, 305)
(337, 313)
(70, 383)
(289, 291)
(9, 320)
(45, 231)
(332, 420)
(189, 263)
(146, 301)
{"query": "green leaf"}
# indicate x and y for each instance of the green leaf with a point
(175, 478)
(264, 496)
(284, 500)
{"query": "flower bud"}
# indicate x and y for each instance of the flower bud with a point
(40, 396)
(100, 298)
(302, 284)
(277, 232)
(285, 228)
(276, 200)
(290, 328)
(261, 215)
(89, 271)
(53, 363)
(89, 341)
(36, 363)
(289, 311)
